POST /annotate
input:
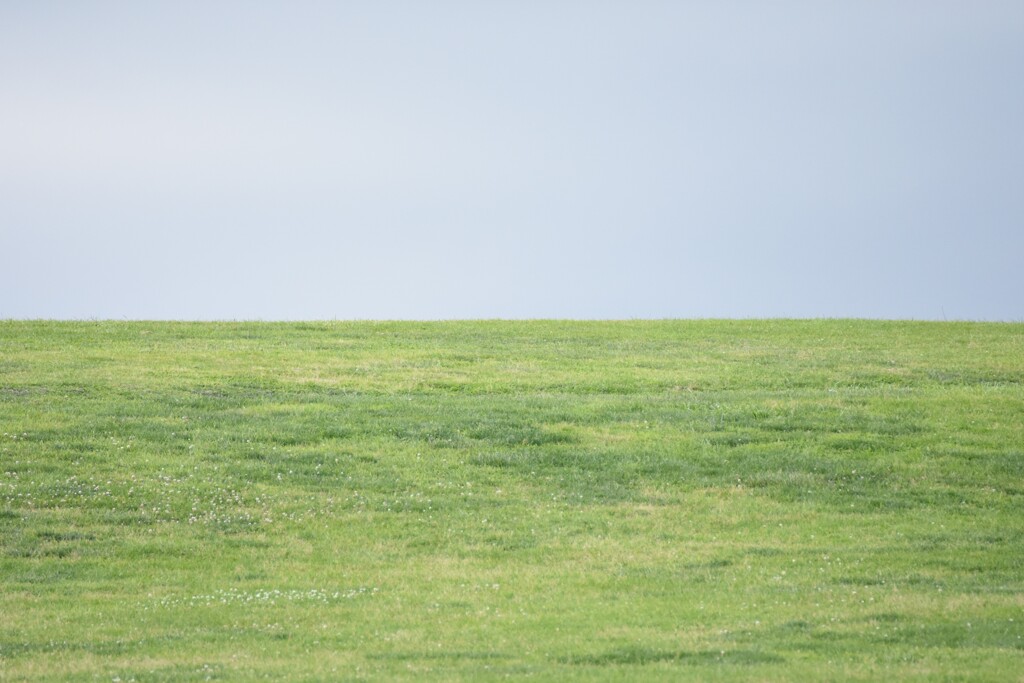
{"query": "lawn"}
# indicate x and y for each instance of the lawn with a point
(647, 500)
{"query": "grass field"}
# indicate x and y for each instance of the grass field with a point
(708, 500)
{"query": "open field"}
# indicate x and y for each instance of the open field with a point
(710, 500)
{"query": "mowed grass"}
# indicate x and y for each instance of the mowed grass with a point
(705, 500)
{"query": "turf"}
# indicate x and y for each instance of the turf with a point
(671, 500)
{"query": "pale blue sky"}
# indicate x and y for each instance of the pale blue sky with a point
(315, 160)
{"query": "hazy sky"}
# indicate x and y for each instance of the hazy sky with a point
(377, 159)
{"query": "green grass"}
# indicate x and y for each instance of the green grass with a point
(711, 500)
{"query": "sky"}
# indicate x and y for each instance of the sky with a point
(517, 159)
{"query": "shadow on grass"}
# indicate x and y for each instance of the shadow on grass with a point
(413, 656)
(636, 656)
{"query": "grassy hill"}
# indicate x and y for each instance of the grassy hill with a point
(706, 500)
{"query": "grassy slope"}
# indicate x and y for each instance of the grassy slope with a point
(656, 500)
